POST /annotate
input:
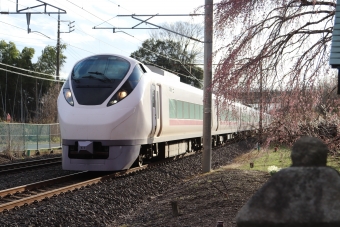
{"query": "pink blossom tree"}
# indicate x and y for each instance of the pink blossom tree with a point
(276, 54)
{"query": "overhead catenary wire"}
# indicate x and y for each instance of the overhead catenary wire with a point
(35, 77)
(176, 60)
(11, 66)
(68, 44)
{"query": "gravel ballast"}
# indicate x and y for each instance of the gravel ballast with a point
(119, 202)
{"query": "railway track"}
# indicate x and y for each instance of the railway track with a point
(16, 197)
(32, 193)
(21, 166)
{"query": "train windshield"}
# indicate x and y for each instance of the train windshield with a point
(105, 68)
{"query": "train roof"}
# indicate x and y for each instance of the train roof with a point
(163, 72)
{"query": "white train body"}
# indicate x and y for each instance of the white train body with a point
(107, 123)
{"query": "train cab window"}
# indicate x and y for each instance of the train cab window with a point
(135, 76)
(128, 86)
(101, 67)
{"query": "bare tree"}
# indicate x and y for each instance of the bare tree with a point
(48, 111)
(279, 45)
(192, 47)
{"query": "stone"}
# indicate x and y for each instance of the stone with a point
(304, 195)
(295, 196)
(309, 151)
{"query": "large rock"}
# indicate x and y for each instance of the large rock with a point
(309, 151)
(296, 196)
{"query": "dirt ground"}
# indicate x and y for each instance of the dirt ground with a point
(202, 201)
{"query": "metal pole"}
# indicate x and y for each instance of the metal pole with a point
(58, 47)
(339, 81)
(24, 136)
(36, 99)
(261, 108)
(6, 95)
(49, 137)
(37, 138)
(208, 30)
(21, 105)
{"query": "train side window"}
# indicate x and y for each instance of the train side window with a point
(192, 111)
(186, 110)
(197, 111)
(179, 109)
(201, 112)
(172, 108)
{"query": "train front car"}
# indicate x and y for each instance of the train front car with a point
(99, 107)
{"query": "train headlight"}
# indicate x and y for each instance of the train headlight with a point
(122, 94)
(68, 96)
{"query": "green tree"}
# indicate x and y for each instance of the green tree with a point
(10, 83)
(15, 87)
(47, 61)
(172, 56)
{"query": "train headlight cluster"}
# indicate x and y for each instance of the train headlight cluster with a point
(127, 87)
(68, 96)
(120, 95)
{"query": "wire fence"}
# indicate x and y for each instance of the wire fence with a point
(22, 137)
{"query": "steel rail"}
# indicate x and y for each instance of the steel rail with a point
(29, 164)
(9, 194)
(15, 193)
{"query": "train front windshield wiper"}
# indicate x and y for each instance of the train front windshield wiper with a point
(74, 78)
(101, 74)
(93, 77)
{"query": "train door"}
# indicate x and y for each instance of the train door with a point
(156, 110)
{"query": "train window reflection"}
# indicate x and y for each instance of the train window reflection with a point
(114, 68)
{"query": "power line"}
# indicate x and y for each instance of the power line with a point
(35, 77)
(26, 70)
(176, 60)
(132, 36)
(13, 25)
(86, 11)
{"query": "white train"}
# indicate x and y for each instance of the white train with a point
(115, 111)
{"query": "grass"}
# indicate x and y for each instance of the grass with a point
(334, 162)
(268, 157)
(264, 158)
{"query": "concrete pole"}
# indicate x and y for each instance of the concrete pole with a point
(21, 104)
(58, 47)
(207, 95)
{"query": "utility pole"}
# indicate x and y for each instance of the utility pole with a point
(58, 43)
(36, 96)
(261, 109)
(28, 18)
(21, 103)
(58, 47)
(207, 94)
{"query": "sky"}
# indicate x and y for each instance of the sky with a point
(87, 14)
